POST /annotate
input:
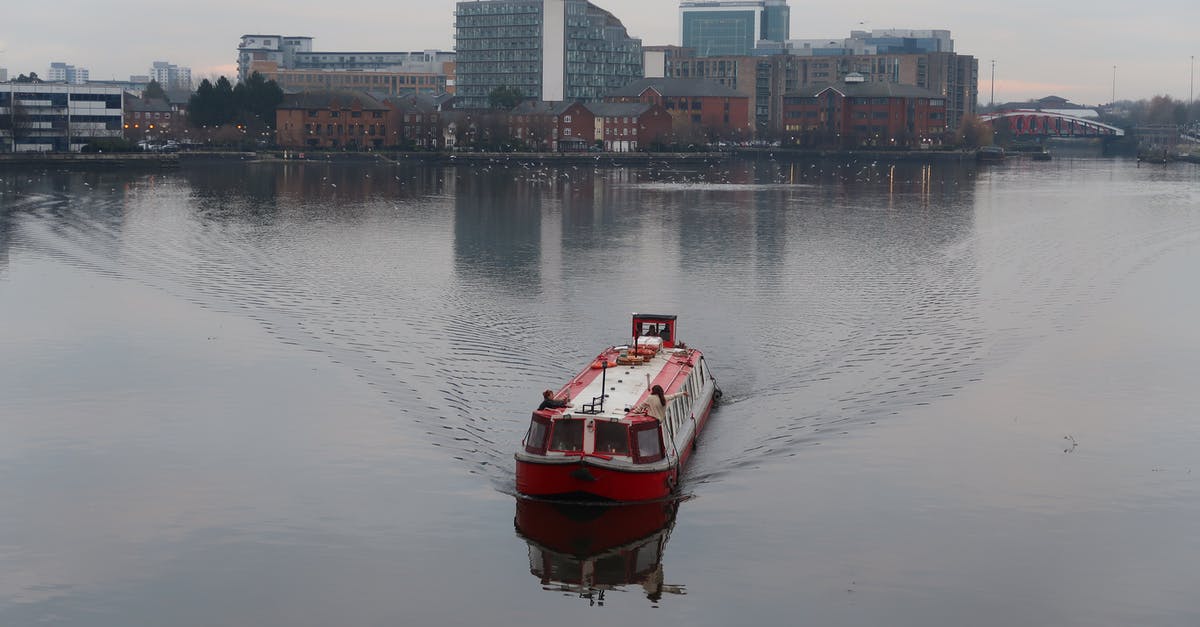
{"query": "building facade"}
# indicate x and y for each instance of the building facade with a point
(151, 120)
(854, 114)
(631, 126)
(274, 48)
(552, 126)
(388, 82)
(338, 120)
(46, 117)
(550, 50)
(732, 27)
(701, 109)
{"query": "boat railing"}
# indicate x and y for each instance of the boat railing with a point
(597, 404)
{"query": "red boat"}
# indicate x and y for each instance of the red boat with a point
(606, 444)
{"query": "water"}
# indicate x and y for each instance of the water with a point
(289, 394)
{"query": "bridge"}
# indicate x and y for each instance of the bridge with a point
(1035, 123)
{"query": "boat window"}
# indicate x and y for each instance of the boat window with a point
(649, 444)
(612, 438)
(567, 435)
(535, 438)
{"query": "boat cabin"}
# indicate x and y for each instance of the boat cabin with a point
(660, 326)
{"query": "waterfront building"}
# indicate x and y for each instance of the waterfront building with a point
(701, 109)
(631, 126)
(854, 113)
(170, 76)
(732, 27)
(552, 126)
(425, 80)
(45, 117)
(415, 121)
(150, 119)
(333, 120)
(64, 73)
(550, 50)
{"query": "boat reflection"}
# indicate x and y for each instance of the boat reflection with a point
(588, 549)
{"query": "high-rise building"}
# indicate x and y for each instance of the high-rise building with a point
(732, 27)
(550, 50)
(281, 50)
(63, 73)
(171, 76)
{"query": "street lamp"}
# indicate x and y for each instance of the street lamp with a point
(993, 82)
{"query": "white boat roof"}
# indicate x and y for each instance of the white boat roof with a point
(626, 385)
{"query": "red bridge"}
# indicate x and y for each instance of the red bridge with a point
(1031, 122)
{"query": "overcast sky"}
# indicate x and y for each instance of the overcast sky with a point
(1066, 47)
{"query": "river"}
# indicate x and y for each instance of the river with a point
(289, 394)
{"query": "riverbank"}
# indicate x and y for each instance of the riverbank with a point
(172, 160)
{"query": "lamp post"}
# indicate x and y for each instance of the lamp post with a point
(1114, 91)
(993, 102)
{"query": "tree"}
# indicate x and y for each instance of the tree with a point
(973, 133)
(32, 78)
(505, 97)
(257, 98)
(154, 90)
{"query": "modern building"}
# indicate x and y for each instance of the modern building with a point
(275, 48)
(171, 76)
(732, 27)
(295, 66)
(390, 82)
(854, 113)
(3, 75)
(45, 117)
(550, 50)
(63, 73)
(332, 119)
(701, 109)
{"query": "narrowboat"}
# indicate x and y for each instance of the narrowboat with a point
(606, 444)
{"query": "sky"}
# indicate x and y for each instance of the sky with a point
(1086, 51)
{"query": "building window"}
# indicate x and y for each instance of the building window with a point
(566, 119)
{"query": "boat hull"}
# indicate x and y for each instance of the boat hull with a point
(582, 477)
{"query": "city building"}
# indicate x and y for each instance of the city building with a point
(855, 113)
(170, 76)
(3, 75)
(550, 50)
(552, 126)
(332, 119)
(389, 82)
(631, 126)
(44, 117)
(701, 109)
(63, 73)
(732, 27)
(416, 121)
(274, 48)
(295, 66)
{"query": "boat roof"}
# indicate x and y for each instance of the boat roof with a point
(625, 386)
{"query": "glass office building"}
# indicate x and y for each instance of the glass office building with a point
(732, 27)
(548, 49)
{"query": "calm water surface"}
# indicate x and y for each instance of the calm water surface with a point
(289, 394)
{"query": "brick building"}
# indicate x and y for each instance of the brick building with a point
(552, 126)
(344, 120)
(701, 109)
(631, 126)
(151, 120)
(856, 113)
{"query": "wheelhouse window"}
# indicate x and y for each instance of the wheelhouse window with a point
(649, 444)
(567, 435)
(611, 438)
(535, 438)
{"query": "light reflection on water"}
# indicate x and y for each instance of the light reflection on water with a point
(229, 390)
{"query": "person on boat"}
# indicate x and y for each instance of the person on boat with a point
(549, 402)
(656, 403)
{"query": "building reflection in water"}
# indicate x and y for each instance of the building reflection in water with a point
(588, 550)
